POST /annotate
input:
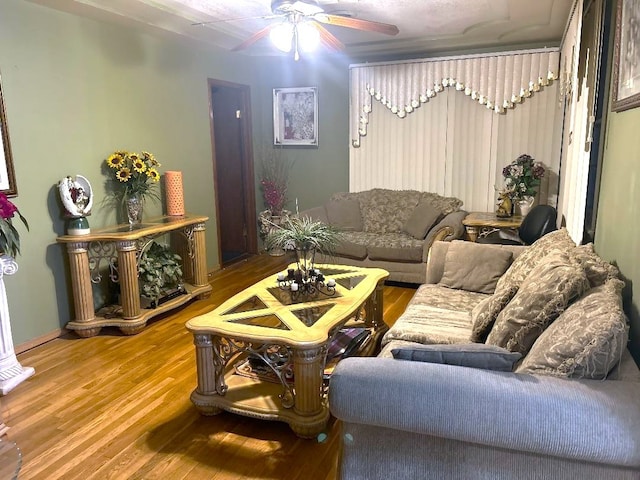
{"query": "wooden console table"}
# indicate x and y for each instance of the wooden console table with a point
(482, 223)
(120, 248)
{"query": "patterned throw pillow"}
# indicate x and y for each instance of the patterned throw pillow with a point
(547, 291)
(586, 341)
(558, 240)
(484, 314)
(598, 271)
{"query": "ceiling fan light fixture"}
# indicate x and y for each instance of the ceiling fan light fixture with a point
(308, 37)
(282, 36)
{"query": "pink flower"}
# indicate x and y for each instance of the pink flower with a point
(7, 208)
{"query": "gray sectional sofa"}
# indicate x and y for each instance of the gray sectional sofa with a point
(390, 229)
(510, 362)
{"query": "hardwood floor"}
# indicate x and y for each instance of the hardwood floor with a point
(117, 407)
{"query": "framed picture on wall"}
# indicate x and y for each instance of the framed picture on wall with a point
(626, 60)
(295, 116)
(7, 175)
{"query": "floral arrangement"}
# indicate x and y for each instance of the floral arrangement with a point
(137, 174)
(522, 176)
(274, 178)
(9, 236)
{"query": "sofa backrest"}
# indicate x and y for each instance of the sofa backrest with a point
(386, 211)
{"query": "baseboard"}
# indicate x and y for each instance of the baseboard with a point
(23, 347)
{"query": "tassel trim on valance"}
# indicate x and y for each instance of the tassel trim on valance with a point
(499, 82)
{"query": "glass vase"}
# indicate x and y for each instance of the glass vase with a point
(134, 206)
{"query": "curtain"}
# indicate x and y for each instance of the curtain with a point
(449, 125)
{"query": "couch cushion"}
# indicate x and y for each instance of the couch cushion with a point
(348, 249)
(344, 214)
(319, 214)
(474, 267)
(399, 254)
(474, 355)
(435, 315)
(586, 341)
(548, 290)
(558, 240)
(423, 217)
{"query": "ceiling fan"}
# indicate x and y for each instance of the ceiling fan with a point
(302, 29)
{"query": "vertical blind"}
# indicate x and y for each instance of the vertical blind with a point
(441, 125)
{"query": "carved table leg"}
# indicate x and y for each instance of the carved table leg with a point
(128, 273)
(310, 404)
(199, 258)
(81, 287)
(210, 372)
(472, 233)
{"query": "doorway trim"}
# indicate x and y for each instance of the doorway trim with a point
(248, 179)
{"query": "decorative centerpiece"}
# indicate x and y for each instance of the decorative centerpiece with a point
(305, 237)
(521, 179)
(76, 195)
(133, 178)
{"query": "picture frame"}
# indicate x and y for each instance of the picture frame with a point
(7, 174)
(626, 61)
(295, 116)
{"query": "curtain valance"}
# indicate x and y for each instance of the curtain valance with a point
(498, 81)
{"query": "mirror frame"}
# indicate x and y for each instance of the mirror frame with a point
(7, 174)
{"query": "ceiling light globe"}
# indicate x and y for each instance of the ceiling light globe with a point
(281, 36)
(308, 37)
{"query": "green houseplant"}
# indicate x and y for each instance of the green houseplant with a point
(305, 237)
(160, 271)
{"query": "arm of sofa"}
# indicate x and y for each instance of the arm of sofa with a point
(447, 229)
(586, 420)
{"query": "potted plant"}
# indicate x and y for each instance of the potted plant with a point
(9, 236)
(305, 237)
(160, 274)
(521, 179)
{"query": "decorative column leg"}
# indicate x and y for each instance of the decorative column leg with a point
(199, 258)
(11, 372)
(128, 274)
(375, 307)
(210, 372)
(472, 233)
(81, 281)
(310, 405)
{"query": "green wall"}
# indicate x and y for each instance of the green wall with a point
(618, 228)
(75, 90)
(317, 171)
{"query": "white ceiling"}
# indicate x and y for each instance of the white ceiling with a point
(425, 25)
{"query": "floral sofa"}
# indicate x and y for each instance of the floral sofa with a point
(510, 362)
(390, 229)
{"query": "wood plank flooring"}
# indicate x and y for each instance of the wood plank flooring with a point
(117, 407)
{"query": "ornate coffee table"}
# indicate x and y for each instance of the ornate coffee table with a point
(291, 337)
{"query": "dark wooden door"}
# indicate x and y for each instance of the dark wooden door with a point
(233, 167)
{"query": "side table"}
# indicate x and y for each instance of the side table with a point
(120, 248)
(480, 224)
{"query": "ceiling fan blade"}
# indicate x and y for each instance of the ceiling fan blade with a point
(236, 19)
(327, 38)
(356, 23)
(254, 38)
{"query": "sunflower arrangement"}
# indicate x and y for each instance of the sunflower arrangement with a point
(137, 175)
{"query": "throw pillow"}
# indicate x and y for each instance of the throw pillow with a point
(474, 267)
(586, 341)
(423, 217)
(345, 214)
(474, 355)
(597, 270)
(558, 240)
(543, 296)
(484, 314)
